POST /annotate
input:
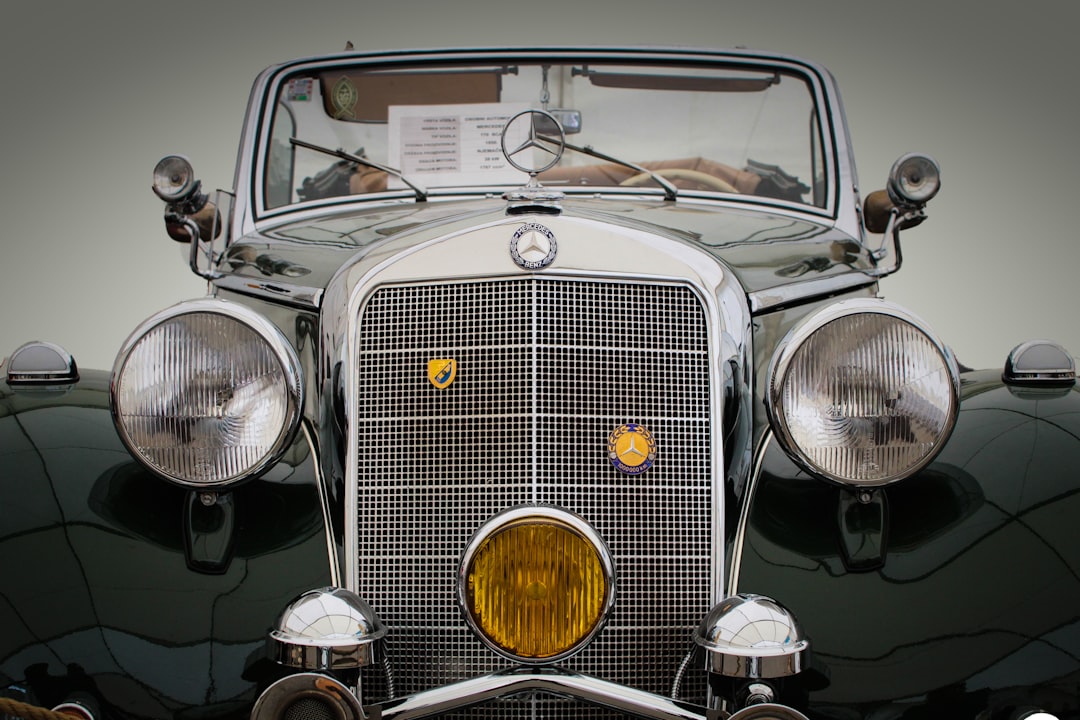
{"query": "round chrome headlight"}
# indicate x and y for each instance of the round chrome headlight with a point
(862, 393)
(206, 393)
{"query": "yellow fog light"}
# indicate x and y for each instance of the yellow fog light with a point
(536, 584)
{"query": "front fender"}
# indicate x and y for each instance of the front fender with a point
(118, 585)
(975, 606)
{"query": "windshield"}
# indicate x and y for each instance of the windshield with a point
(738, 130)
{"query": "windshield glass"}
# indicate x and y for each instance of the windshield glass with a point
(738, 130)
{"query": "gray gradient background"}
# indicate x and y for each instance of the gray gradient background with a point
(98, 92)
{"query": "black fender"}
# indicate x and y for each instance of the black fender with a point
(152, 600)
(974, 603)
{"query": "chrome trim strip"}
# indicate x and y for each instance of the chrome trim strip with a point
(324, 504)
(308, 298)
(744, 513)
(776, 297)
(588, 689)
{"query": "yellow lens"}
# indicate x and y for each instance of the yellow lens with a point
(536, 588)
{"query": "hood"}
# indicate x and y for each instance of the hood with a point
(764, 250)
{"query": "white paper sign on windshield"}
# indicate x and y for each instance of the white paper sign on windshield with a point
(441, 145)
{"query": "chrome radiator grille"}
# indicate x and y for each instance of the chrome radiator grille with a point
(547, 368)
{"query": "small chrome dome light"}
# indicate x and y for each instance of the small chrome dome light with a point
(752, 636)
(328, 628)
(862, 393)
(174, 179)
(914, 180)
(206, 393)
(1040, 362)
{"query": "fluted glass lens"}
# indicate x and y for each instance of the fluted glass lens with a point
(536, 588)
(867, 398)
(203, 398)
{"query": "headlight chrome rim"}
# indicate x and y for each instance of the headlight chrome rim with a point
(278, 347)
(787, 351)
(555, 516)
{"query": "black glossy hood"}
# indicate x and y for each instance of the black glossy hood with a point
(763, 249)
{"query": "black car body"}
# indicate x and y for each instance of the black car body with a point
(541, 383)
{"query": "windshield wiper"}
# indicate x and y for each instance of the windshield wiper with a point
(670, 191)
(421, 192)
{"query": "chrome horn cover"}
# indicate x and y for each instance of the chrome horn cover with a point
(752, 636)
(326, 629)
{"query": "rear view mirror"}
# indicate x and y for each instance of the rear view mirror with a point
(569, 119)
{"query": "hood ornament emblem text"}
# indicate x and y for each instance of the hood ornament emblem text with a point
(533, 246)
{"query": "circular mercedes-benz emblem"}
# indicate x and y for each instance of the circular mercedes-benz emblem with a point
(631, 449)
(540, 123)
(533, 246)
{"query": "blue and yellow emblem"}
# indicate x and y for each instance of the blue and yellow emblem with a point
(441, 372)
(631, 449)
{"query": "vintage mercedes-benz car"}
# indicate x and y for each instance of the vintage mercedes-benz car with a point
(540, 384)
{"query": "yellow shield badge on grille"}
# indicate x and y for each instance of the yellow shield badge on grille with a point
(441, 372)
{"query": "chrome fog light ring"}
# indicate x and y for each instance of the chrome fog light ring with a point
(565, 563)
(862, 393)
(330, 699)
(206, 393)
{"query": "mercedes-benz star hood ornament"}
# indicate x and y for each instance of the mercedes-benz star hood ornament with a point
(533, 196)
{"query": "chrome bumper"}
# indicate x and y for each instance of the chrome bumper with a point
(551, 680)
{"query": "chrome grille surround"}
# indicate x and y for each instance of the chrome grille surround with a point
(548, 367)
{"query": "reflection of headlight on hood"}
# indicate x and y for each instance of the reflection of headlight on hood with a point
(206, 393)
(862, 393)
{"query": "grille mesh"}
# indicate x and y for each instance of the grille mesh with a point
(547, 368)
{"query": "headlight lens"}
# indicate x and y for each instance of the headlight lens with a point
(536, 584)
(174, 179)
(861, 393)
(206, 393)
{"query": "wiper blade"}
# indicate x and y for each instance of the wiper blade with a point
(670, 191)
(421, 192)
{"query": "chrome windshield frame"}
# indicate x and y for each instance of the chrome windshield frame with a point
(841, 205)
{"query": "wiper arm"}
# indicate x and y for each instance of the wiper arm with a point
(421, 192)
(670, 191)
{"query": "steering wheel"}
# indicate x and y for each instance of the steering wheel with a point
(706, 180)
